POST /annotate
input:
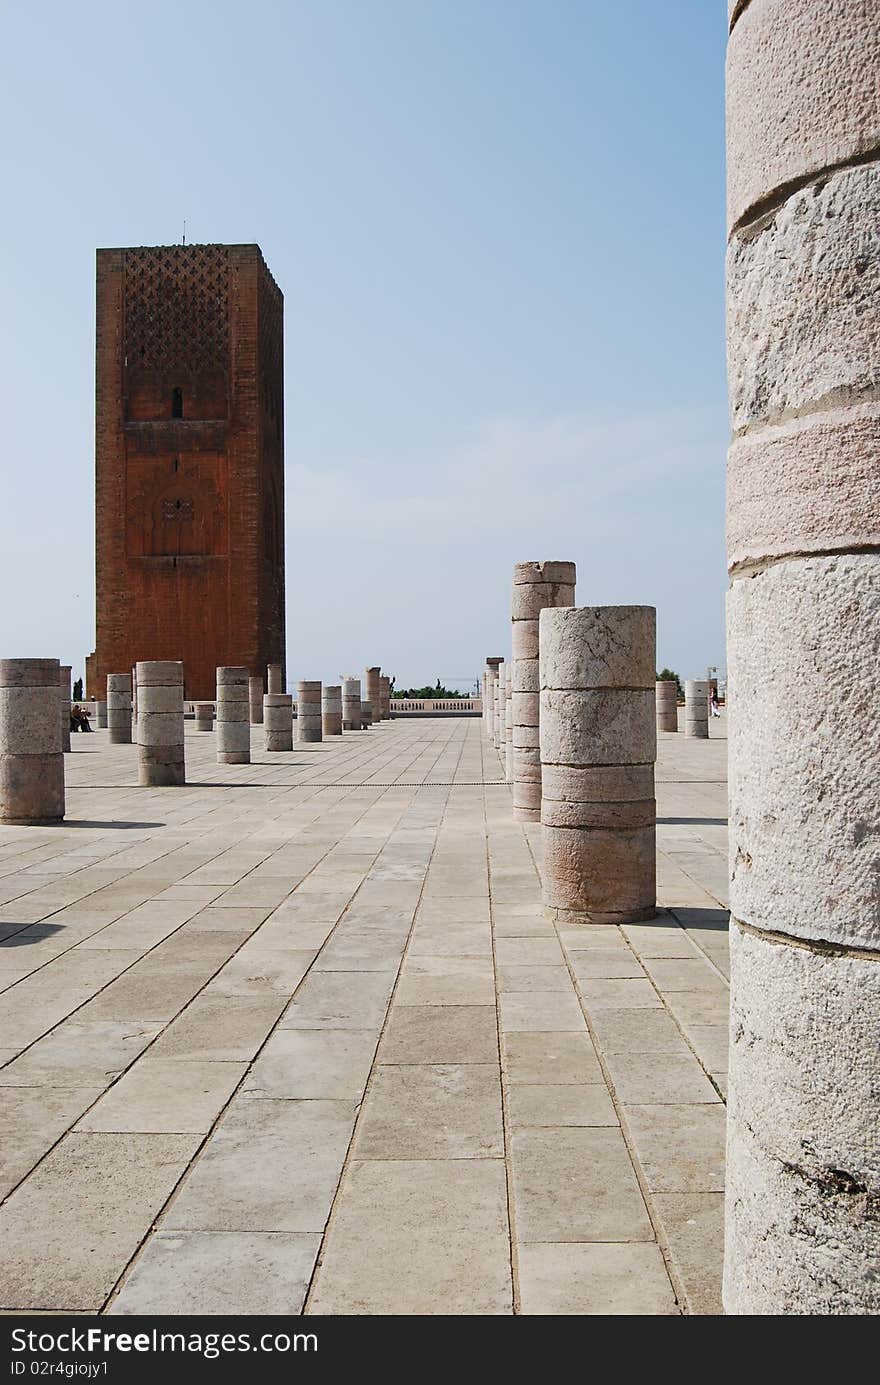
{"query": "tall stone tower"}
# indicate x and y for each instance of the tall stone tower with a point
(189, 462)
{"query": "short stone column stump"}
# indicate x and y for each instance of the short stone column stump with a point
(204, 716)
(598, 742)
(696, 708)
(31, 758)
(119, 717)
(331, 709)
(308, 711)
(351, 704)
(233, 716)
(278, 721)
(161, 761)
(667, 704)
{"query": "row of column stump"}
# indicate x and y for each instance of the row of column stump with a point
(147, 705)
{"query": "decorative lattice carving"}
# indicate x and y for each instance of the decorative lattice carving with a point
(177, 308)
(179, 511)
(271, 344)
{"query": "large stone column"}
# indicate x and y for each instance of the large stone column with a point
(275, 679)
(803, 528)
(101, 715)
(331, 709)
(278, 721)
(366, 715)
(351, 704)
(204, 716)
(372, 690)
(31, 759)
(667, 704)
(384, 698)
(160, 723)
(255, 698)
(492, 664)
(598, 746)
(696, 708)
(233, 716)
(536, 586)
(134, 702)
(308, 711)
(64, 672)
(119, 708)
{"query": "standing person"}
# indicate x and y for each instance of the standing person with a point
(713, 702)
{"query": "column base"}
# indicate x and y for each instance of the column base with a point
(154, 776)
(233, 757)
(31, 822)
(577, 917)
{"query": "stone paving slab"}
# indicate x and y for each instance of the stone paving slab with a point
(285, 1039)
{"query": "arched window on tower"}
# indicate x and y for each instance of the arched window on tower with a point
(177, 402)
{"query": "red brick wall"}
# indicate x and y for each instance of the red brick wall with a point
(189, 511)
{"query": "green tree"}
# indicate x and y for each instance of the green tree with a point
(78, 690)
(668, 675)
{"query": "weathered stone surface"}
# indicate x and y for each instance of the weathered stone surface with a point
(696, 708)
(160, 723)
(160, 699)
(805, 1032)
(804, 1130)
(551, 571)
(610, 726)
(119, 708)
(331, 710)
(598, 783)
(351, 704)
(524, 677)
(604, 875)
(529, 600)
(598, 741)
(801, 289)
(524, 639)
(158, 673)
(278, 721)
(204, 716)
(597, 647)
(804, 1181)
(31, 758)
(308, 711)
(667, 705)
(275, 679)
(525, 709)
(525, 737)
(802, 93)
(29, 720)
(803, 744)
(630, 814)
(160, 728)
(800, 487)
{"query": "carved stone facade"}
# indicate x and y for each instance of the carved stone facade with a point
(189, 462)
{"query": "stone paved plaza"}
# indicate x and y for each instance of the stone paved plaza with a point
(297, 1037)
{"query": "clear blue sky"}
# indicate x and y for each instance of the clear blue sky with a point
(498, 226)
